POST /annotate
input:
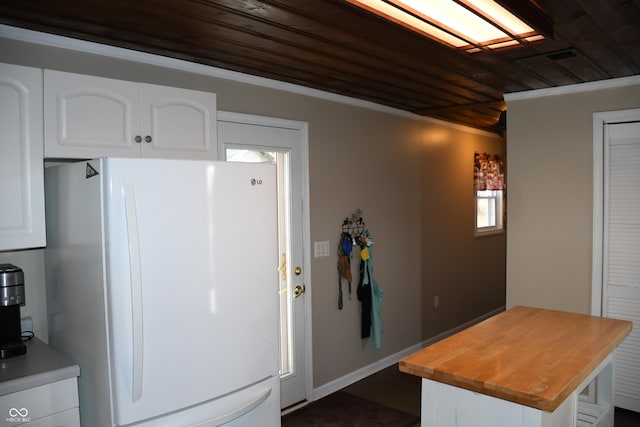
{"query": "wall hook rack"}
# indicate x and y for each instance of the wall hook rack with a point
(354, 233)
(354, 225)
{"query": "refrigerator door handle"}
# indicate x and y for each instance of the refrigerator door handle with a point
(136, 289)
(245, 409)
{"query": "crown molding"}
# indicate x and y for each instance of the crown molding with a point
(51, 40)
(576, 88)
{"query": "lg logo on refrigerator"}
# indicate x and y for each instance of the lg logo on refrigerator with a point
(255, 181)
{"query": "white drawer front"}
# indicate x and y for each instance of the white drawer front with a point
(39, 402)
(70, 418)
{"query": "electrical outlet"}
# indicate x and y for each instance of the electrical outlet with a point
(436, 302)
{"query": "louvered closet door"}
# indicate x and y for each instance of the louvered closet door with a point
(621, 290)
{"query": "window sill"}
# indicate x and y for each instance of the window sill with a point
(489, 232)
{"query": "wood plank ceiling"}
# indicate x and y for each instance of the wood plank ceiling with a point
(333, 46)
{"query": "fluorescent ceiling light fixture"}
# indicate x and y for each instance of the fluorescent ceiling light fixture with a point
(471, 25)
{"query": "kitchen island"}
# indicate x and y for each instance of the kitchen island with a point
(525, 367)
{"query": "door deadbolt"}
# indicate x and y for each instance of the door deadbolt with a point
(298, 271)
(298, 290)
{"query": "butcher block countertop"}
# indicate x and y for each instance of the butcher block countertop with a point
(531, 356)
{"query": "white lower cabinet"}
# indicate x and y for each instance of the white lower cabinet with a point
(89, 117)
(70, 418)
(54, 405)
(22, 223)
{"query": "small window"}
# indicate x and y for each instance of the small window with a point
(489, 212)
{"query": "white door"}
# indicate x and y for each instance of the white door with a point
(620, 261)
(285, 143)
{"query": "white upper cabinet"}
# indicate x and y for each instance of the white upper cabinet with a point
(22, 223)
(88, 117)
(178, 123)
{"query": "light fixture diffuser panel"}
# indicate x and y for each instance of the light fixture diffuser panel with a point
(476, 26)
(453, 17)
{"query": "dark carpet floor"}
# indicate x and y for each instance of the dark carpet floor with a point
(342, 409)
(389, 398)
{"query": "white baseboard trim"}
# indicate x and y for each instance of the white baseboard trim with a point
(357, 375)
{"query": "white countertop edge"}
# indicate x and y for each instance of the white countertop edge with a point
(37, 380)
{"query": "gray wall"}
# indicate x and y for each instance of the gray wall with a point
(411, 177)
(550, 179)
(465, 272)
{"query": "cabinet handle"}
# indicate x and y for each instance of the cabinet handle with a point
(138, 139)
(147, 139)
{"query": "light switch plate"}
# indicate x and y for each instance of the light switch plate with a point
(321, 249)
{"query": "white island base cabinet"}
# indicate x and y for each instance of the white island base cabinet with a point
(444, 405)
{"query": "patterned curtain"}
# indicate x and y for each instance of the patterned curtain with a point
(488, 172)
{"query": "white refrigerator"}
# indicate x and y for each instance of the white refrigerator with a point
(162, 285)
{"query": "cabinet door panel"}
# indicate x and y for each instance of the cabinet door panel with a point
(21, 174)
(181, 123)
(88, 117)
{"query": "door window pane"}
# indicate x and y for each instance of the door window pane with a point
(250, 156)
(281, 160)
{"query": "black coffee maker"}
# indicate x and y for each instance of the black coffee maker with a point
(11, 298)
